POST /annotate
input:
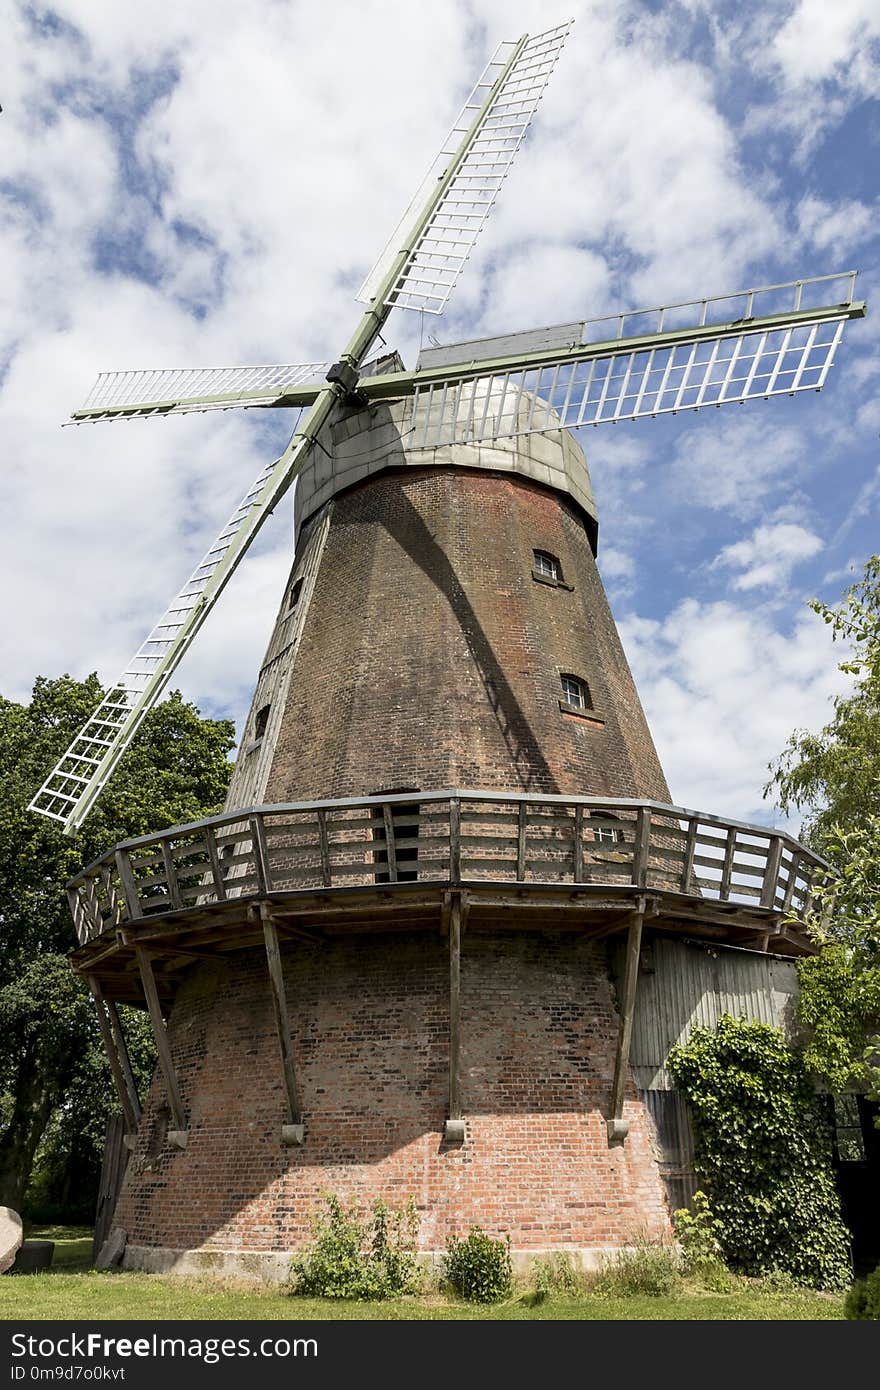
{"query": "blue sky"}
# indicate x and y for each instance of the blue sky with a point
(211, 190)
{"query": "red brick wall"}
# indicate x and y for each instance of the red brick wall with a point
(370, 1021)
(431, 658)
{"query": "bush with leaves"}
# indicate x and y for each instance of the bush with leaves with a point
(697, 1233)
(863, 1300)
(555, 1274)
(355, 1257)
(762, 1148)
(479, 1268)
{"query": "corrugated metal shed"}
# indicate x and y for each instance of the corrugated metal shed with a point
(684, 985)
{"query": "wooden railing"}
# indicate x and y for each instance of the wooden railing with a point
(443, 838)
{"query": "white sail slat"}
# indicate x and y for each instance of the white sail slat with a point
(161, 391)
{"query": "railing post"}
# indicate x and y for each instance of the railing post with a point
(771, 872)
(642, 845)
(216, 866)
(792, 875)
(689, 852)
(326, 873)
(521, 844)
(390, 843)
(578, 866)
(727, 867)
(261, 854)
(129, 887)
(454, 839)
(171, 876)
(77, 912)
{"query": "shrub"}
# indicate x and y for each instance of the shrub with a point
(697, 1234)
(354, 1258)
(479, 1268)
(763, 1148)
(643, 1268)
(555, 1274)
(863, 1299)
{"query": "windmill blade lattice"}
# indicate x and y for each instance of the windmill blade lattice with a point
(76, 781)
(639, 374)
(438, 255)
(161, 391)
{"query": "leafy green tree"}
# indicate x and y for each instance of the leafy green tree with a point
(834, 777)
(176, 770)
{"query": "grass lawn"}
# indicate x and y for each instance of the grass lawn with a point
(73, 1292)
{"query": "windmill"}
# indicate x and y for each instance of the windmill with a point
(774, 340)
(444, 734)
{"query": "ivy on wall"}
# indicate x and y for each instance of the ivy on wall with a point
(762, 1150)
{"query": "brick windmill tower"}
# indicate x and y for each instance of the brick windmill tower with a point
(404, 959)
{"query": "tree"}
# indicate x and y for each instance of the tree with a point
(834, 776)
(176, 770)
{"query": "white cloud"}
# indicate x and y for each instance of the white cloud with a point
(836, 227)
(768, 556)
(737, 466)
(723, 688)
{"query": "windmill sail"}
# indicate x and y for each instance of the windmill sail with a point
(574, 376)
(121, 395)
(518, 73)
(76, 781)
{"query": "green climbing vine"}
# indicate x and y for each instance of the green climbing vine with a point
(762, 1151)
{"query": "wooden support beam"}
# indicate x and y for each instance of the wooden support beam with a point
(125, 1060)
(771, 872)
(177, 1136)
(454, 1128)
(128, 1098)
(292, 1132)
(617, 1126)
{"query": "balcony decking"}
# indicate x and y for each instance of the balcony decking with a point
(393, 863)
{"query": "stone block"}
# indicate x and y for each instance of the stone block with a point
(11, 1235)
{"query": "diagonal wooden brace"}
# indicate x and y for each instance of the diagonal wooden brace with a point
(117, 1056)
(177, 1135)
(618, 1127)
(293, 1131)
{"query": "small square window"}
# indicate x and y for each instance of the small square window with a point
(547, 565)
(261, 721)
(294, 595)
(576, 693)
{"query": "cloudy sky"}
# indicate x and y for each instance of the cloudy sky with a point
(210, 187)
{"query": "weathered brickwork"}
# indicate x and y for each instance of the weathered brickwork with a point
(430, 657)
(416, 650)
(370, 1038)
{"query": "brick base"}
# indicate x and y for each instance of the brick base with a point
(369, 1016)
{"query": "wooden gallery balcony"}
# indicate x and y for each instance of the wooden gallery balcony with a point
(499, 861)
